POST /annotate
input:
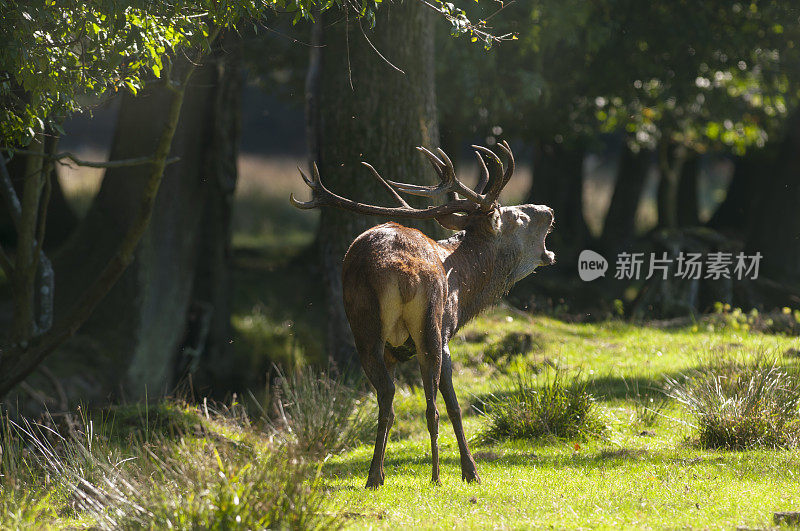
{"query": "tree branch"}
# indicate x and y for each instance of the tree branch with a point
(122, 163)
(23, 322)
(24, 361)
(6, 264)
(9, 194)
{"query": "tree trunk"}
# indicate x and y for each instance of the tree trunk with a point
(619, 227)
(206, 344)
(735, 212)
(137, 328)
(775, 227)
(558, 183)
(371, 112)
(688, 205)
(670, 163)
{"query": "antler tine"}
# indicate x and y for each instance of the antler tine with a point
(386, 185)
(511, 164)
(437, 163)
(305, 177)
(314, 182)
(484, 178)
(495, 170)
(446, 178)
(456, 185)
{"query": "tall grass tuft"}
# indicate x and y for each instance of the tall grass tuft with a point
(560, 407)
(222, 475)
(740, 405)
(321, 415)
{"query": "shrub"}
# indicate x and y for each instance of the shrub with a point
(742, 405)
(319, 414)
(560, 407)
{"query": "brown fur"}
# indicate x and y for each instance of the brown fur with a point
(400, 286)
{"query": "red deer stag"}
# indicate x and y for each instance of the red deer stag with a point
(401, 286)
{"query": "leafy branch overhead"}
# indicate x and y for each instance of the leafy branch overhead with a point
(58, 57)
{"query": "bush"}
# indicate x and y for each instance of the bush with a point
(561, 407)
(319, 414)
(742, 405)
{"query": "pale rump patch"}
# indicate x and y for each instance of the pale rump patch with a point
(402, 314)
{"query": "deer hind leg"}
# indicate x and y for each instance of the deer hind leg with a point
(469, 472)
(429, 352)
(380, 377)
(370, 343)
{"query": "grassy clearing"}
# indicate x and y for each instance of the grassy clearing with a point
(644, 472)
(188, 467)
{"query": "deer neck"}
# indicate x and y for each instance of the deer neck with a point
(479, 272)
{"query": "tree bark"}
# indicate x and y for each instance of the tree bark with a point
(619, 227)
(735, 212)
(775, 226)
(139, 324)
(671, 160)
(371, 112)
(206, 344)
(688, 206)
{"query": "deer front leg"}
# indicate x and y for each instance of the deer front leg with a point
(469, 471)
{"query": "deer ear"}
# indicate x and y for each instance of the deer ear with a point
(452, 221)
(497, 221)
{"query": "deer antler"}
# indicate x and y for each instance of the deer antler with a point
(496, 178)
(474, 200)
(324, 197)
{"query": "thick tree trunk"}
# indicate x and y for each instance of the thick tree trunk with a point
(688, 205)
(735, 212)
(371, 112)
(558, 183)
(619, 227)
(670, 163)
(775, 227)
(139, 325)
(206, 344)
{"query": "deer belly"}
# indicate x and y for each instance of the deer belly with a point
(401, 318)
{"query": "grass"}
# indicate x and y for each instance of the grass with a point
(559, 407)
(643, 472)
(742, 405)
(194, 468)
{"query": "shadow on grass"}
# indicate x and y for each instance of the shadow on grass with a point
(603, 388)
(602, 460)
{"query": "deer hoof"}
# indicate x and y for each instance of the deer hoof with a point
(471, 477)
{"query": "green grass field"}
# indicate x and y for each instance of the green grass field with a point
(640, 474)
